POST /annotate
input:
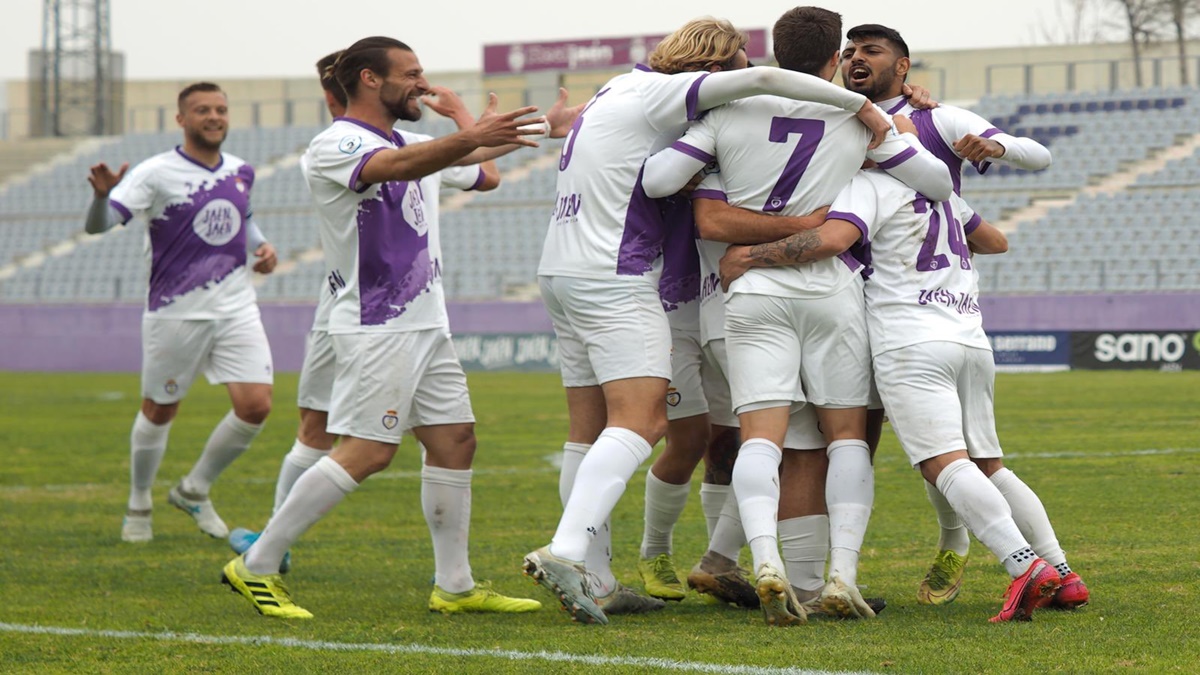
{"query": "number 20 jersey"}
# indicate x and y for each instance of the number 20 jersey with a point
(921, 287)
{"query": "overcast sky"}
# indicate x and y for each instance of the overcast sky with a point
(169, 39)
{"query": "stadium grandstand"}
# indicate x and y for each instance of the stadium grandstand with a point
(1124, 180)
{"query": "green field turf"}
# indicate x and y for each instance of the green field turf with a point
(1115, 457)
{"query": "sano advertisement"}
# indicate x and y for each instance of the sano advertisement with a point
(1174, 350)
(1031, 352)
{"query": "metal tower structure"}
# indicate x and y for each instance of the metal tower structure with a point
(76, 78)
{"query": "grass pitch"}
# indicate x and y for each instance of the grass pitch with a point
(1114, 456)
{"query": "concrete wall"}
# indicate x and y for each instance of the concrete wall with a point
(107, 338)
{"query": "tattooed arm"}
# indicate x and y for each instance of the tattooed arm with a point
(832, 238)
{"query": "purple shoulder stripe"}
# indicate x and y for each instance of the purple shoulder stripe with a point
(354, 181)
(479, 181)
(863, 230)
(692, 151)
(693, 99)
(898, 159)
(121, 209)
(991, 132)
(715, 195)
(972, 224)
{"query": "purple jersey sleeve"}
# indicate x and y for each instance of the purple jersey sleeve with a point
(134, 195)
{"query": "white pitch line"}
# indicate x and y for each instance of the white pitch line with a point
(505, 654)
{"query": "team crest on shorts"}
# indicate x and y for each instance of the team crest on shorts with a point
(673, 397)
(171, 387)
(390, 420)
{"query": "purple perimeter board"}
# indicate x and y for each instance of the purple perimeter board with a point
(107, 338)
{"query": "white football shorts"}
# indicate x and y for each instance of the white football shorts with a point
(686, 393)
(608, 329)
(317, 373)
(939, 398)
(811, 350)
(388, 383)
(226, 350)
(716, 384)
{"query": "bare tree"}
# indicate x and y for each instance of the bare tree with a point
(1140, 19)
(1177, 13)
(1075, 22)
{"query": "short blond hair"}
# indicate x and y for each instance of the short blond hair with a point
(698, 45)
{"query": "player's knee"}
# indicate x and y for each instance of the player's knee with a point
(254, 410)
(311, 431)
(159, 413)
(989, 465)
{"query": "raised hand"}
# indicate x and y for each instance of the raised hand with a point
(267, 259)
(879, 124)
(561, 117)
(977, 148)
(103, 180)
(494, 129)
(446, 103)
(918, 97)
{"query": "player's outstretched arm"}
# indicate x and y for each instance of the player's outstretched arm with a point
(100, 216)
(716, 220)
(446, 103)
(491, 130)
(669, 170)
(904, 158)
(978, 141)
(723, 87)
(832, 238)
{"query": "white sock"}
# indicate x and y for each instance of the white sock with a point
(664, 505)
(314, 494)
(227, 442)
(598, 559)
(600, 482)
(849, 495)
(572, 457)
(712, 500)
(446, 502)
(728, 536)
(805, 543)
(296, 462)
(147, 444)
(756, 484)
(1030, 516)
(954, 534)
(982, 508)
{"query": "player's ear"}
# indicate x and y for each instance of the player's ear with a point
(903, 64)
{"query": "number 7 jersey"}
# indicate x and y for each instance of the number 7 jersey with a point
(920, 285)
(790, 158)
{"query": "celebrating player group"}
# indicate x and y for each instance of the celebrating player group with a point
(752, 262)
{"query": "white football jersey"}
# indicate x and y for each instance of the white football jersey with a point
(382, 248)
(920, 286)
(776, 155)
(196, 240)
(712, 298)
(679, 285)
(939, 128)
(604, 225)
